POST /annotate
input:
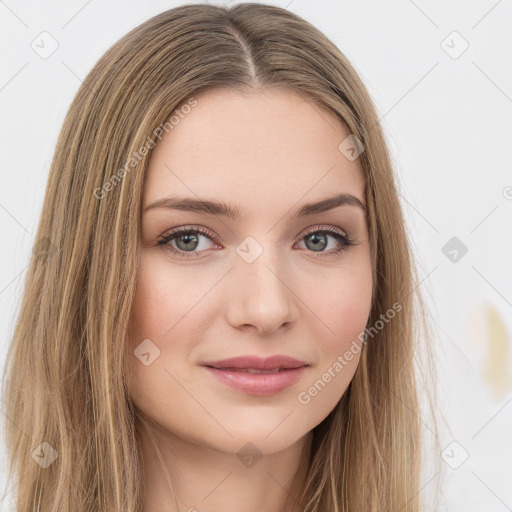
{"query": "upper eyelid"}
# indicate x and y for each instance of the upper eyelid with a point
(324, 227)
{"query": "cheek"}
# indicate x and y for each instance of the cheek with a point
(172, 309)
(165, 299)
(350, 312)
(163, 312)
(343, 304)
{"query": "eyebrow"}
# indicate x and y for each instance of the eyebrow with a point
(223, 209)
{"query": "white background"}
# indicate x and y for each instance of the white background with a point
(448, 120)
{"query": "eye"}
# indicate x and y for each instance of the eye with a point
(318, 240)
(187, 240)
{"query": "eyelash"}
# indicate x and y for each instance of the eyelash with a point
(167, 237)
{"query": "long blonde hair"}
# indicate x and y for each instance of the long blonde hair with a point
(65, 394)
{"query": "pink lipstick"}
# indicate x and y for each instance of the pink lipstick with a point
(255, 375)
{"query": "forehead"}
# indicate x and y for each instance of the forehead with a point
(275, 146)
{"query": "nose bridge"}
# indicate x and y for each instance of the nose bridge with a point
(262, 296)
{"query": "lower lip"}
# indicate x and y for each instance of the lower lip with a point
(260, 384)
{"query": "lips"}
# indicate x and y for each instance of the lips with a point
(257, 376)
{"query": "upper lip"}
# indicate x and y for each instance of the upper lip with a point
(257, 363)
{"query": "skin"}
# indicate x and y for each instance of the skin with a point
(268, 153)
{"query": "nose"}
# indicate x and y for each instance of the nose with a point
(262, 295)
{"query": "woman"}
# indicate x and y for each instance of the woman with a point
(219, 309)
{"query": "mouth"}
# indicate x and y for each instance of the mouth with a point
(256, 376)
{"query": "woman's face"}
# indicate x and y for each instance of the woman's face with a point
(262, 278)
